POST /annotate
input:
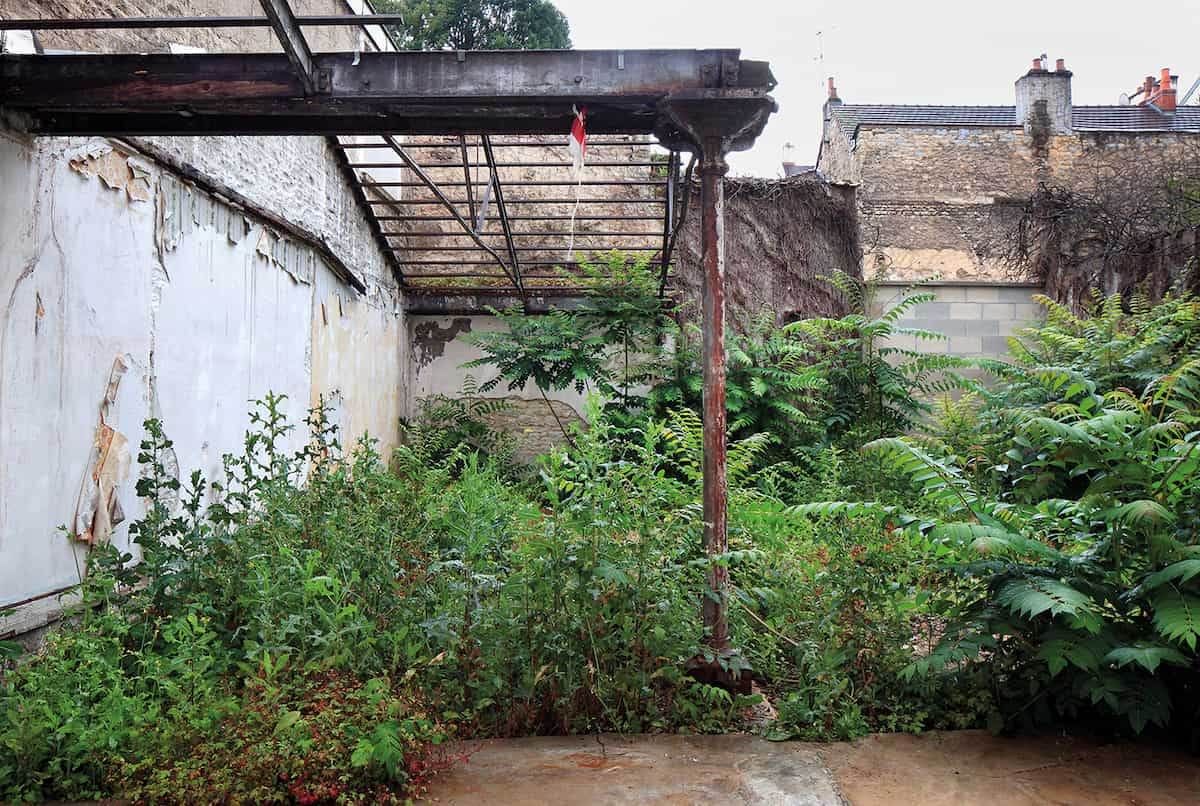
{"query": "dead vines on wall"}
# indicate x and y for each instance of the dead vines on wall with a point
(781, 237)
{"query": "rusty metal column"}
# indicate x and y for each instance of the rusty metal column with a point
(712, 245)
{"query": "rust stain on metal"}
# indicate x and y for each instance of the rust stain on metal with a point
(712, 172)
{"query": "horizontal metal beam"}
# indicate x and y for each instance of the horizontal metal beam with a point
(529, 218)
(648, 202)
(531, 183)
(521, 234)
(492, 263)
(403, 93)
(136, 23)
(552, 248)
(514, 144)
(457, 165)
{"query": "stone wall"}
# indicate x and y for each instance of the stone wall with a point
(937, 201)
(932, 200)
(436, 358)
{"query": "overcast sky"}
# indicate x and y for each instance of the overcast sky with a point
(917, 52)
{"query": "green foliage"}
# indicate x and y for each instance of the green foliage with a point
(770, 384)
(608, 344)
(446, 430)
(1070, 521)
(478, 24)
(873, 387)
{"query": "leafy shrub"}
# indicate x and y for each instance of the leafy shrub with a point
(1079, 547)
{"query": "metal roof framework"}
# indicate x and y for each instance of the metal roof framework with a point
(706, 102)
(408, 108)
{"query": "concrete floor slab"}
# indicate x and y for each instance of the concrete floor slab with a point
(663, 769)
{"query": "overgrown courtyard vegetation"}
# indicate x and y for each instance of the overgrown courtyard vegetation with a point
(916, 542)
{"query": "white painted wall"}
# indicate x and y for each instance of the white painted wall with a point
(104, 255)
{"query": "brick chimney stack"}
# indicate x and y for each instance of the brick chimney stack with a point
(1041, 89)
(827, 111)
(1161, 93)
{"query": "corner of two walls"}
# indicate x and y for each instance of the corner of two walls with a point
(130, 294)
(436, 356)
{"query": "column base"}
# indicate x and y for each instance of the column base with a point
(727, 670)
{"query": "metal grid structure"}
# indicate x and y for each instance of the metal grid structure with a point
(506, 215)
(462, 213)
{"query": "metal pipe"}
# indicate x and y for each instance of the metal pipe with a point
(512, 144)
(522, 217)
(501, 207)
(606, 248)
(489, 263)
(712, 245)
(428, 166)
(679, 221)
(525, 233)
(462, 144)
(530, 183)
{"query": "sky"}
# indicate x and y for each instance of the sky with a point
(931, 52)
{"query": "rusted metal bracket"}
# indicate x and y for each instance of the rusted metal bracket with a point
(419, 172)
(498, 192)
(287, 30)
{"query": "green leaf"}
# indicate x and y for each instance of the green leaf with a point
(1148, 656)
(1034, 596)
(1062, 647)
(1179, 572)
(1143, 513)
(1147, 702)
(1177, 616)
(286, 720)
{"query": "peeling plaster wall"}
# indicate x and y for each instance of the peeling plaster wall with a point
(296, 178)
(106, 257)
(438, 352)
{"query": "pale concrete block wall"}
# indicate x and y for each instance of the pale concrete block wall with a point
(977, 318)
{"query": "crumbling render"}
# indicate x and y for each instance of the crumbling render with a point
(98, 508)
(116, 169)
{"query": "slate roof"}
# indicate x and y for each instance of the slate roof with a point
(1084, 118)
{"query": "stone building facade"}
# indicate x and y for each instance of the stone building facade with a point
(937, 187)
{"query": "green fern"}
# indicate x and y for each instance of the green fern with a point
(1034, 596)
(1177, 616)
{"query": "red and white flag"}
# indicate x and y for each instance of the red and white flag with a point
(577, 145)
(577, 141)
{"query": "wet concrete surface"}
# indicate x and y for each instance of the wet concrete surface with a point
(974, 768)
(666, 769)
(961, 768)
